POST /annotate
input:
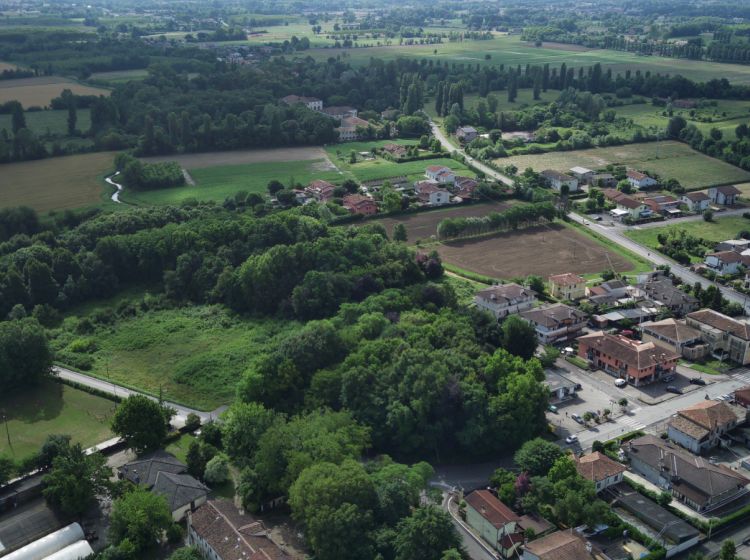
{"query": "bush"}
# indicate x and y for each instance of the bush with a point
(192, 422)
(217, 470)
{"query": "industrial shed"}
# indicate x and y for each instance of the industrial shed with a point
(68, 543)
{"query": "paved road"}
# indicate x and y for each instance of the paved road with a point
(616, 235)
(693, 218)
(443, 139)
(123, 392)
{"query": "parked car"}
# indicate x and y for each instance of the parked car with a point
(667, 378)
(571, 439)
(697, 381)
(598, 218)
(620, 383)
(552, 408)
(577, 418)
(673, 389)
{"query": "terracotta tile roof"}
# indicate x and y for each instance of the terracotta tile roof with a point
(437, 168)
(636, 354)
(552, 316)
(742, 393)
(722, 322)
(636, 175)
(561, 545)
(710, 414)
(628, 202)
(492, 509)
(509, 541)
(672, 330)
(233, 535)
(696, 196)
(613, 194)
(597, 466)
(566, 279)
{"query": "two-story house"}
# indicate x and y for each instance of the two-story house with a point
(359, 204)
(320, 190)
(700, 427)
(724, 335)
(556, 322)
(600, 469)
(637, 362)
(556, 180)
(495, 522)
(636, 209)
(430, 194)
(440, 174)
(696, 201)
(726, 262)
(677, 335)
(726, 195)
(663, 292)
(639, 180)
(505, 299)
(567, 286)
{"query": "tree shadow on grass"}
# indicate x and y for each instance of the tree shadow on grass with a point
(41, 402)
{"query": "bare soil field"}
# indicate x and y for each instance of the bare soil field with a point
(41, 91)
(423, 225)
(542, 250)
(214, 159)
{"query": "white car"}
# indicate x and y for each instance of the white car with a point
(571, 439)
(620, 383)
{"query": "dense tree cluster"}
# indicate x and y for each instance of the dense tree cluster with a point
(519, 216)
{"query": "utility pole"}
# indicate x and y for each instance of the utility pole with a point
(7, 432)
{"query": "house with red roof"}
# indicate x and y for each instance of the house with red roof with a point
(639, 180)
(600, 469)
(320, 190)
(495, 522)
(440, 174)
(359, 204)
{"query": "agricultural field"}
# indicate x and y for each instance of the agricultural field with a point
(195, 355)
(718, 230)
(542, 250)
(725, 116)
(119, 76)
(55, 183)
(49, 122)
(510, 50)
(241, 157)
(423, 225)
(219, 182)
(53, 408)
(39, 92)
(669, 159)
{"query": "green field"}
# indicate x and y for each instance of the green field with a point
(720, 229)
(510, 50)
(49, 122)
(195, 354)
(53, 408)
(119, 76)
(217, 183)
(669, 159)
(525, 98)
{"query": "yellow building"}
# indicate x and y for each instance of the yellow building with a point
(567, 286)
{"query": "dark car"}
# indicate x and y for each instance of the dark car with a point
(697, 381)
(673, 389)
(577, 418)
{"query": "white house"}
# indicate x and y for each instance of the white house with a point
(440, 174)
(556, 180)
(505, 299)
(695, 201)
(495, 522)
(639, 180)
(726, 262)
(432, 195)
(635, 208)
(600, 469)
(726, 195)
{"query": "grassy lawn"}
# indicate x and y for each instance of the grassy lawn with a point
(194, 354)
(56, 183)
(217, 183)
(179, 447)
(718, 230)
(39, 92)
(669, 159)
(711, 367)
(53, 408)
(46, 122)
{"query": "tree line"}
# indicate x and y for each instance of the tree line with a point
(516, 217)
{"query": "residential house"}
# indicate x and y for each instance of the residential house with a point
(677, 335)
(737, 245)
(742, 396)
(556, 322)
(701, 426)
(567, 286)
(723, 334)
(695, 201)
(726, 195)
(583, 174)
(495, 522)
(359, 204)
(663, 292)
(339, 113)
(320, 190)
(440, 174)
(560, 545)
(726, 262)
(432, 195)
(466, 134)
(396, 151)
(222, 532)
(164, 474)
(639, 180)
(691, 480)
(505, 299)
(611, 292)
(348, 128)
(613, 195)
(560, 387)
(600, 469)
(635, 209)
(603, 180)
(637, 362)
(312, 103)
(465, 186)
(556, 180)
(665, 205)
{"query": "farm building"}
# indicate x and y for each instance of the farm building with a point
(432, 195)
(348, 128)
(726, 196)
(320, 190)
(68, 543)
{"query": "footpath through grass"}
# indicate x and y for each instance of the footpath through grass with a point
(53, 408)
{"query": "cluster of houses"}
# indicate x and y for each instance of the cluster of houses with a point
(443, 186)
(729, 258)
(346, 116)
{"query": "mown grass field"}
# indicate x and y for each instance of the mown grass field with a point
(39, 92)
(53, 408)
(55, 183)
(510, 50)
(667, 158)
(120, 76)
(217, 183)
(720, 229)
(195, 354)
(54, 122)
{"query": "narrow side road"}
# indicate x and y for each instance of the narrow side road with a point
(115, 195)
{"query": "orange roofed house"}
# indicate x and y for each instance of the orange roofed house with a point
(359, 204)
(701, 426)
(636, 362)
(567, 286)
(494, 521)
(561, 545)
(320, 190)
(600, 469)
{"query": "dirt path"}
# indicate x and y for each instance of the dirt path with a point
(212, 159)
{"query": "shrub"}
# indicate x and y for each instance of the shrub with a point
(217, 470)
